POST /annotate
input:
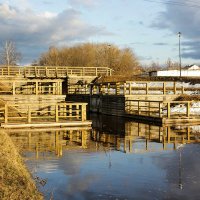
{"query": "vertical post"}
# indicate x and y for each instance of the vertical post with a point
(188, 134)
(188, 109)
(138, 107)
(160, 109)
(56, 113)
(6, 113)
(168, 110)
(83, 112)
(124, 88)
(36, 87)
(147, 88)
(174, 87)
(182, 90)
(129, 88)
(168, 134)
(96, 72)
(164, 88)
(13, 88)
(29, 114)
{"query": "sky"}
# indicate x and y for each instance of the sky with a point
(148, 27)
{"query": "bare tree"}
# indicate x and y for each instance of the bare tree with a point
(9, 54)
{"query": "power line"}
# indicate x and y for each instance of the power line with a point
(176, 3)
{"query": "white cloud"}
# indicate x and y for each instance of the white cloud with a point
(184, 19)
(85, 3)
(30, 29)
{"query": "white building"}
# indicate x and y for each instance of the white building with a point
(188, 71)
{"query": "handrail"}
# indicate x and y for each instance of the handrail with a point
(163, 109)
(53, 71)
(56, 112)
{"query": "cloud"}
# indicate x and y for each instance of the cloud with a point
(32, 30)
(160, 44)
(84, 3)
(185, 19)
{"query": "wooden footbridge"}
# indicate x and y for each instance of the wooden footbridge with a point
(34, 96)
(54, 71)
(143, 100)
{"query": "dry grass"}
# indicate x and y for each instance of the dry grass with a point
(15, 181)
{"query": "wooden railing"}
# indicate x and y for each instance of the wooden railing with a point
(31, 87)
(135, 88)
(163, 109)
(53, 71)
(30, 113)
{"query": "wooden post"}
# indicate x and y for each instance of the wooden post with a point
(149, 110)
(36, 87)
(168, 110)
(147, 88)
(83, 112)
(168, 134)
(29, 114)
(96, 72)
(6, 113)
(174, 87)
(108, 88)
(124, 88)
(160, 109)
(188, 134)
(188, 109)
(182, 90)
(138, 107)
(13, 88)
(70, 111)
(129, 88)
(164, 88)
(56, 113)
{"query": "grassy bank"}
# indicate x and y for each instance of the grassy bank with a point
(15, 181)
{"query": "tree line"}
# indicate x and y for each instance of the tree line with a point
(122, 61)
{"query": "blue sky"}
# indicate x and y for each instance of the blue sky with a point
(149, 27)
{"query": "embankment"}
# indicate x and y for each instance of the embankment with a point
(15, 180)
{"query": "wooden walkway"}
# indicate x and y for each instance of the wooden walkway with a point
(53, 71)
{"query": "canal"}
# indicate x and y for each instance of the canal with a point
(117, 159)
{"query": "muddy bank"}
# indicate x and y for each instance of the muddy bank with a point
(15, 180)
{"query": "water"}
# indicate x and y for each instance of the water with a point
(116, 160)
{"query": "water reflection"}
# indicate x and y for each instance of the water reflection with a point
(117, 159)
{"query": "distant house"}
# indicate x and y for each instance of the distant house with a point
(187, 71)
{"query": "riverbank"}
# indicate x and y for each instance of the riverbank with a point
(15, 180)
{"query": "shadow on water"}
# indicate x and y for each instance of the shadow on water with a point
(116, 159)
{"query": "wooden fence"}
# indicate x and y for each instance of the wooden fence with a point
(53, 71)
(31, 87)
(163, 109)
(135, 88)
(30, 113)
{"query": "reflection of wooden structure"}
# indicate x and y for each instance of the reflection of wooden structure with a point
(45, 144)
(138, 138)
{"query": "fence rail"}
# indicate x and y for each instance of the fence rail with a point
(53, 71)
(29, 113)
(135, 88)
(31, 87)
(163, 109)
